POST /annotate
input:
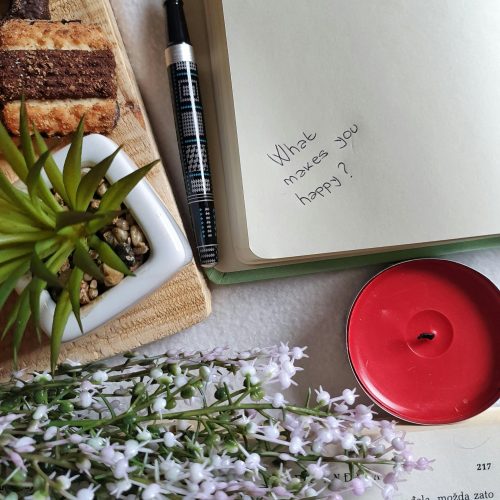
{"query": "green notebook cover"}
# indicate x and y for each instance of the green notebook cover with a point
(285, 271)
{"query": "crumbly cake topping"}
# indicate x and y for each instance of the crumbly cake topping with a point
(17, 34)
(56, 74)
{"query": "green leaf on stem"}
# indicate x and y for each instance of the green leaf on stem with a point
(90, 182)
(108, 256)
(72, 171)
(22, 202)
(74, 285)
(84, 261)
(12, 154)
(10, 283)
(61, 315)
(21, 323)
(14, 239)
(33, 181)
(117, 192)
(7, 254)
(73, 217)
(37, 286)
(26, 144)
(51, 168)
(40, 270)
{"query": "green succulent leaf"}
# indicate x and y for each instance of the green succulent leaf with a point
(11, 266)
(37, 286)
(22, 202)
(12, 154)
(108, 256)
(9, 284)
(90, 182)
(23, 316)
(117, 192)
(26, 144)
(40, 270)
(14, 239)
(84, 261)
(51, 168)
(10, 213)
(15, 226)
(73, 217)
(7, 254)
(74, 284)
(72, 171)
(33, 181)
(61, 315)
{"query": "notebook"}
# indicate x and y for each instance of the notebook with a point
(466, 460)
(346, 132)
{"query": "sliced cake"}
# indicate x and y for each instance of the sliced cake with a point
(64, 70)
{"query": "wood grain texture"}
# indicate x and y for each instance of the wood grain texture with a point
(180, 303)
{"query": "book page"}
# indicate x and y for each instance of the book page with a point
(466, 462)
(365, 125)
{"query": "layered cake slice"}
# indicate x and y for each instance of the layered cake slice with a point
(64, 70)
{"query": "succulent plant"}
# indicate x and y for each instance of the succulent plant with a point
(38, 234)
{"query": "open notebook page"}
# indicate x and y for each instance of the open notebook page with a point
(364, 125)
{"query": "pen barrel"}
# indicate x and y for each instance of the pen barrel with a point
(193, 151)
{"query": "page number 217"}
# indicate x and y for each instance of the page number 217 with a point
(483, 466)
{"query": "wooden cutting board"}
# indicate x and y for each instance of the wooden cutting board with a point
(180, 303)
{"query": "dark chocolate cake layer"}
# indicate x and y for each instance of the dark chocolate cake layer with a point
(29, 9)
(56, 74)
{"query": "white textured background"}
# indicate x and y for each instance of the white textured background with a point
(310, 310)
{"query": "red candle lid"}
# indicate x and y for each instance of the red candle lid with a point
(424, 341)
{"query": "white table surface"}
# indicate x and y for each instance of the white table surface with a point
(310, 310)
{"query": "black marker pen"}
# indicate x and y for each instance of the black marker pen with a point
(191, 132)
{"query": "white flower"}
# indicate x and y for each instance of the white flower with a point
(180, 381)
(86, 493)
(144, 435)
(64, 482)
(23, 444)
(171, 470)
(322, 397)
(252, 462)
(170, 439)
(285, 380)
(40, 412)
(349, 396)
(348, 441)
(108, 454)
(96, 442)
(121, 469)
(6, 421)
(151, 492)
(42, 377)
(271, 431)
(278, 400)
(118, 488)
(75, 438)
(247, 370)
(159, 404)
(156, 373)
(299, 353)
(239, 467)
(99, 377)
(84, 399)
(317, 471)
(50, 433)
(296, 446)
(84, 465)
(198, 472)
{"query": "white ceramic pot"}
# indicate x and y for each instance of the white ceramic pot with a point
(169, 249)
